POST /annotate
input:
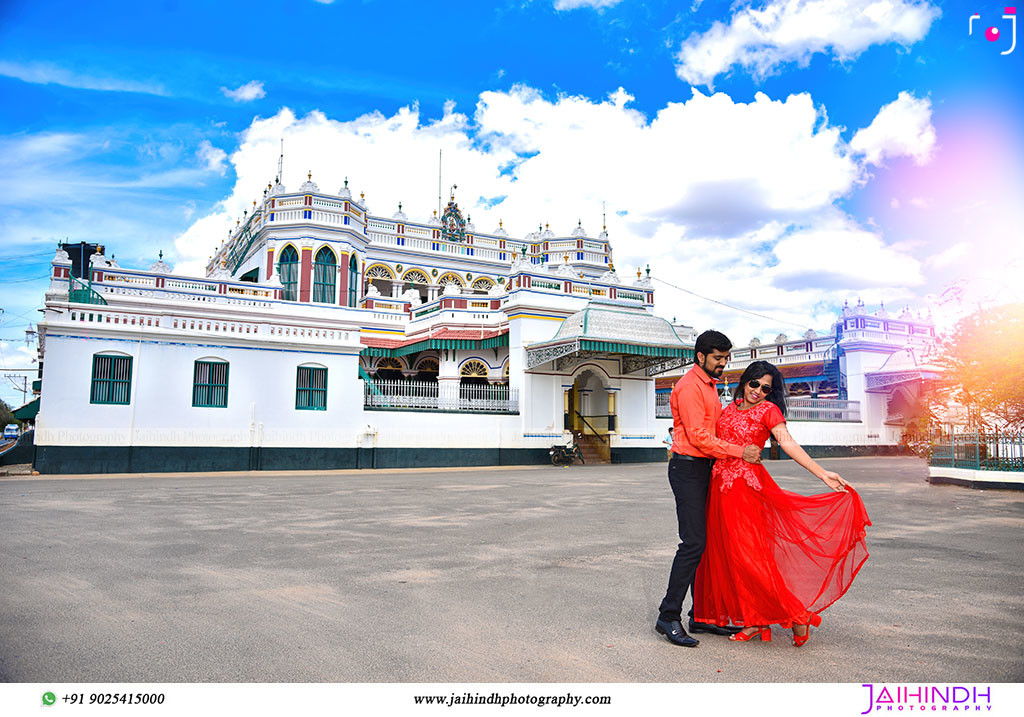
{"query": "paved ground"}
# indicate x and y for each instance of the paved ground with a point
(523, 574)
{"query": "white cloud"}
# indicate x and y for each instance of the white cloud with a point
(575, 4)
(836, 253)
(40, 73)
(951, 256)
(782, 31)
(729, 199)
(920, 203)
(212, 158)
(894, 203)
(245, 93)
(902, 128)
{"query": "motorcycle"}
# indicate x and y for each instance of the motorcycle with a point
(565, 455)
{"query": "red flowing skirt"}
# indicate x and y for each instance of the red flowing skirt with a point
(776, 557)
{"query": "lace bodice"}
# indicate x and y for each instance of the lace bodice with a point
(744, 428)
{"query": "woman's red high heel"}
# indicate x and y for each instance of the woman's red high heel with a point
(765, 633)
(799, 640)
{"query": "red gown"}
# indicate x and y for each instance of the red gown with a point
(772, 556)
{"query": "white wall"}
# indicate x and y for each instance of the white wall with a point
(261, 398)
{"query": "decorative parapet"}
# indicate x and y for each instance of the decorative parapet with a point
(159, 285)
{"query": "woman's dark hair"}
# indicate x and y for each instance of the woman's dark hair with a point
(757, 370)
(712, 341)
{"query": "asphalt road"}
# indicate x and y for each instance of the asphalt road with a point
(472, 575)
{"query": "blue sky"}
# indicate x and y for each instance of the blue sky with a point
(829, 152)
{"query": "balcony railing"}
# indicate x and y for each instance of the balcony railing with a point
(800, 409)
(440, 396)
(823, 409)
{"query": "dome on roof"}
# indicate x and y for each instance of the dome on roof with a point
(345, 192)
(547, 233)
(579, 231)
(434, 221)
(500, 231)
(309, 185)
(278, 188)
(400, 215)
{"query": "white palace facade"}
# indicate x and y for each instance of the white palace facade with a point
(327, 337)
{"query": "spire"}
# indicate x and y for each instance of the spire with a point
(280, 163)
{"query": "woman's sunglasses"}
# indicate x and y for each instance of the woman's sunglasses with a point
(754, 385)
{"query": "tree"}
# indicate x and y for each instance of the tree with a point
(983, 358)
(6, 414)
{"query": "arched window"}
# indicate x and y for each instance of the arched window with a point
(353, 280)
(381, 277)
(427, 369)
(483, 285)
(473, 381)
(415, 276)
(390, 369)
(450, 278)
(473, 371)
(417, 280)
(289, 271)
(325, 272)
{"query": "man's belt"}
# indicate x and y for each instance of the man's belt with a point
(684, 457)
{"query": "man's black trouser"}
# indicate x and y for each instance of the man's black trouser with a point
(689, 478)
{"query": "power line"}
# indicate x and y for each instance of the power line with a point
(11, 257)
(729, 306)
(22, 281)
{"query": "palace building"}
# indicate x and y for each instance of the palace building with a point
(325, 336)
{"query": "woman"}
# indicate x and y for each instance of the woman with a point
(772, 556)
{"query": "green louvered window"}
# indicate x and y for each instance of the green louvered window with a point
(311, 389)
(210, 384)
(111, 379)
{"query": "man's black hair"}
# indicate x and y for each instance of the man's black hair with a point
(712, 341)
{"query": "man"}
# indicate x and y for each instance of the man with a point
(695, 410)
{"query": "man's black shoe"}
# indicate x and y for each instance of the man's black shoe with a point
(712, 628)
(674, 632)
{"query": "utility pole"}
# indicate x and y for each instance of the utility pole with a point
(13, 378)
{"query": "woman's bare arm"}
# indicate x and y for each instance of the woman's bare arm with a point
(798, 454)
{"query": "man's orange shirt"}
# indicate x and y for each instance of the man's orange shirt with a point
(695, 411)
